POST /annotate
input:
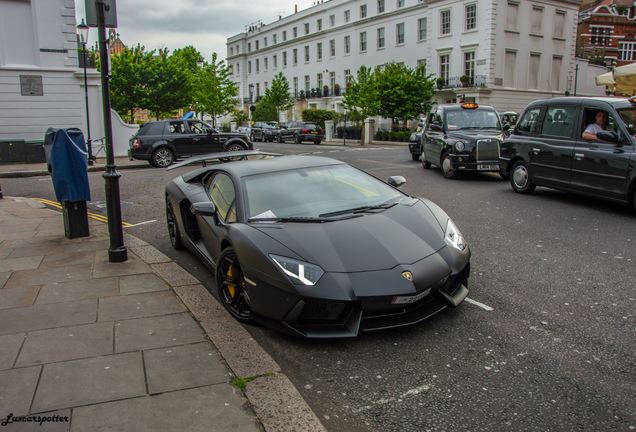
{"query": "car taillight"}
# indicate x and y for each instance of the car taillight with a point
(305, 131)
(136, 143)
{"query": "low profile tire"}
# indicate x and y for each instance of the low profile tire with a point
(235, 147)
(162, 157)
(520, 178)
(415, 156)
(447, 167)
(173, 228)
(318, 142)
(231, 287)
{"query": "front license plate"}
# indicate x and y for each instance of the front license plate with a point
(410, 299)
(487, 167)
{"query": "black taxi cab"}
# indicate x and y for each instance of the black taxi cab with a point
(585, 145)
(461, 138)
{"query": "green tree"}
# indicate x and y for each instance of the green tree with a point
(278, 94)
(165, 84)
(214, 91)
(319, 116)
(265, 110)
(127, 91)
(239, 116)
(403, 92)
(362, 99)
(188, 59)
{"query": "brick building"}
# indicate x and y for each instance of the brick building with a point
(607, 32)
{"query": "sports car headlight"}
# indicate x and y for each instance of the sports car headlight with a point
(300, 272)
(453, 237)
(459, 146)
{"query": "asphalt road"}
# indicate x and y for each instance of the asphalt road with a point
(550, 345)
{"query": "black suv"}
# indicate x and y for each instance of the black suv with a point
(462, 137)
(578, 144)
(265, 132)
(300, 131)
(161, 142)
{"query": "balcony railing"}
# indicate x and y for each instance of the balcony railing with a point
(477, 81)
(317, 93)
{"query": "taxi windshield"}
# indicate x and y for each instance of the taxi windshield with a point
(472, 119)
(628, 115)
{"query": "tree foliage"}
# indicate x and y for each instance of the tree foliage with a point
(127, 90)
(362, 99)
(319, 116)
(165, 84)
(278, 93)
(265, 110)
(215, 93)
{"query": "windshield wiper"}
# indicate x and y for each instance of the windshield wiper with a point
(362, 209)
(300, 219)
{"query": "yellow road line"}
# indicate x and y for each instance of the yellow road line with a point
(94, 216)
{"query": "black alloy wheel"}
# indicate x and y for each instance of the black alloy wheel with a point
(162, 157)
(520, 178)
(235, 147)
(447, 167)
(231, 286)
(173, 228)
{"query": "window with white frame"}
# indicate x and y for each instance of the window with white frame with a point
(627, 51)
(274, 37)
(470, 11)
(332, 48)
(238, 68)
(555, 79)
(265, 41)
(347, 44)
(257, 65)
(306, 28)
(332, 20)
(284, 58)
(319, 80)
(284, 35)
(363, 41)
(231, 50)
(295, 81)
(249, 47)
(533, 72)
(536, 20)
(249, 67)
(509, 68)
(256, 42)
(380, 6)
(258, 90)
(445, 22)
(275, 61)
(319, 24)
(399, 33)
(421, 66)
(265, 86)
(421, 29)
(265, 64)
(347, 75)
(511, 16)
(601, 35)
(295, 56)
(363, 11)
(307, 84)
(381, 38)
(306, 53)
(400, 4)
(295, 32)
(444, 65)
(319, 51)
(332, 80)
(559, 24)
(469, 66)
(347, 15)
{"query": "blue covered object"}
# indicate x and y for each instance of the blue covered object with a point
(68, 161)
(188, 115)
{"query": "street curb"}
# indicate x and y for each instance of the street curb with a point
(276, 402)
(39, 173)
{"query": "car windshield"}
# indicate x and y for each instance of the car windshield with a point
(628, 115)
(314, 192)
(472, 119)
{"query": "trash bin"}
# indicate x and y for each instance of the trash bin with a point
(67, 159)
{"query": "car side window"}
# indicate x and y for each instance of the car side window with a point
(559, 121)
(222, 194)
(529, 123)
(589, 120)
(199, 128)
(176, 128)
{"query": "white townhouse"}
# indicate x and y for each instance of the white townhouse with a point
(41, 83)
(508, 52)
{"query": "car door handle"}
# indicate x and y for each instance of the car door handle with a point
(578, 156)
(536, 150)
(196, 139)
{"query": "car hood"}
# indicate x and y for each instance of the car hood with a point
(474, 134)
(402, 234)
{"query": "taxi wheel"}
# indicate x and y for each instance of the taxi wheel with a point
(425, 164)
(520, 178)
(447, 167)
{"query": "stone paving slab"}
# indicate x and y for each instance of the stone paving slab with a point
(67, 343)
(4, 277)
(47, 426)
(156, 332)
(7, 235)
(174, 274)
(9, 347)
(89, 381)
(26, 251)
(67, 258)
(207, 409)
(150, 254)
(137, 284)
(18, 297)
(86, 289)
(26, 263)
(103, 268)
(47, 316)
(139, 306)
(180, 367)
(22, 278)
(17, 387)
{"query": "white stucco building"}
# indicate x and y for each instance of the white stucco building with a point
(41, 83)
(512, 51)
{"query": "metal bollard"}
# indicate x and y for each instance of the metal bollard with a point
(0, 191)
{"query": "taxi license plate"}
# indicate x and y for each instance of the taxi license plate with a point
(410, 299)
(487, 167)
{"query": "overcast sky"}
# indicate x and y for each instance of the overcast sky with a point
(204, 24)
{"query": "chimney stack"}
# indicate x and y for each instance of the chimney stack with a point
(296, 8)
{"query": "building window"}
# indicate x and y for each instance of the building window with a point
(284, 58)
(559, 24)
(555, 80)
(445, 22)
(307, 84)
(347, 44)
(380, 6)
(249, 67)
(231, 50)
(332, 48)
(264, 41)
(332, 81)
(601, 35)
(421, 29)
(511, 16)
(265, 62)
(444, 63)
(249, 47)
(347, 75)
(400, 4)
(319, 81)
(274, 41)
(295, 81)
(471, 17)
(238, 68)
(510, 66)
(533, 73)
(284, 35)
(306, 53)
(399, 33)
(275, 61)
(295, 32)
(265, 86)
(469, 66)
(306, 28)
(363, 11)
(257, 65)
(536, 20)
(295, 56)
(319, 51)
(381, 38)
(332, 20)
(347, 16)
(319, 24)
(421, 66)
(627, 51)
(256, 42)
(363, 41)
(258, 90)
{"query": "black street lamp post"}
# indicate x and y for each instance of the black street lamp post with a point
(82, 31)
(117, 251)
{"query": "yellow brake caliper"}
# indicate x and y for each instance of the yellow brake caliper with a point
(230, 288)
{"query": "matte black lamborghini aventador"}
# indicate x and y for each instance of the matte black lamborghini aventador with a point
(314, 247)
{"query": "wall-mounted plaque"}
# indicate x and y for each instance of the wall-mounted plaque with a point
(31, 85)
(481, 62)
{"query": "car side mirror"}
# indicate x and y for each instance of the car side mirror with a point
(436, 127)
(609, 136)
(205, 208)
(506, 127)
(396, 181)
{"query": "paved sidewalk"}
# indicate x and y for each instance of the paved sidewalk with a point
(104, 346)
(40, 169)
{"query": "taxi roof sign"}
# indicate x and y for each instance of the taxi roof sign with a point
(469, 105)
